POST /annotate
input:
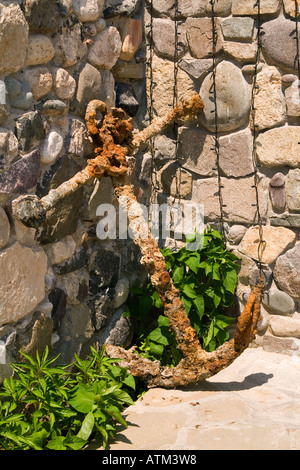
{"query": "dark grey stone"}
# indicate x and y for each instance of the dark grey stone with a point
(44, 16)
(63, 218)
(21, 175)
(286, 220)
(29, 130)
(58, 299)
(19, 93)
(53, 107)
(77, 261)
(104, 270)
(114, 8)
(126, 98)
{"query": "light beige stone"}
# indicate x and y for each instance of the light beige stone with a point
(240, 51)
(243, 209)
(285, 326)
(22, 286)
(4, 228)
(186, 7)
(235, 209)
(163, 78)
(246, 7)
(270, 109)
(292, 97)
(277, 240)
(13, 38)
(105, 49)
(62, 250)
(293, 190)
(290, 9)
(40, 50)
(39, 80)
(279, 146)
(64, 84)
(205, 191)
(87, 10)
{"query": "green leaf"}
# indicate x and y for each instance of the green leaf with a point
(156, 350)
(222, 321)
(163, 321)
(189, 291)
(83, 399)
(200, 306)
(129, 381)
(187, 304)
(123, 397)
(230, 279)
(115, 413)
(86, 427)
(57, 443)
(178, 274)
(193, 262)
(157, 336)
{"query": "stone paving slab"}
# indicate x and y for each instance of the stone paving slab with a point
(251, 405)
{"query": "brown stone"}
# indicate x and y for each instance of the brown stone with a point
(164, 38)
(290, 8)
(199, 35)
(279, 47)
(196, 151)
(132, 35)
(21, 289)
(277, 191)
(287, 272)
(236, 154)
(240, 51)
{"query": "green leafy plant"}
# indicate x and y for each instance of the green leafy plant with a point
(63, 407)
(206, 277)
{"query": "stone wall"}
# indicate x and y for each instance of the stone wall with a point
(192, 168)
(61, 285)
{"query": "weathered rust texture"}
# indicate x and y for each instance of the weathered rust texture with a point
(113, 140)
(198, 365)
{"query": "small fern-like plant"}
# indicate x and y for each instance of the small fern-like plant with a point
(60, 407)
